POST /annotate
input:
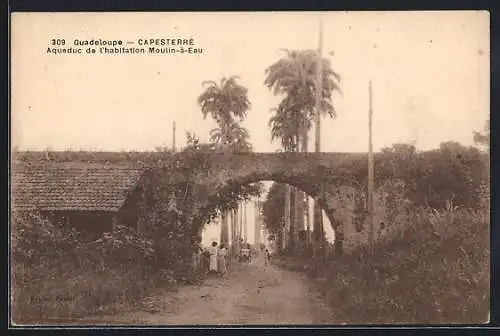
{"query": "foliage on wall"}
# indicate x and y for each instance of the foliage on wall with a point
(405, 177)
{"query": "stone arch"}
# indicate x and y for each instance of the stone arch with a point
(320, 186)
(320, 175)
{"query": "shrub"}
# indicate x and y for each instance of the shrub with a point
(436, 271)
(55, 275)
(123, 246)
(36, 241)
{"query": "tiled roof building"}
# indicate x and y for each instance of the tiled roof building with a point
(87, 194)
(72, 186)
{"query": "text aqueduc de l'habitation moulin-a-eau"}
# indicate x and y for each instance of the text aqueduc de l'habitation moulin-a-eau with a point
(137, 46)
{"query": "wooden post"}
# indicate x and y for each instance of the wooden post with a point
(319, 87)
(318, 217)
(370, 168)
(173, 137)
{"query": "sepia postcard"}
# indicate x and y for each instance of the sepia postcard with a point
(251, 169)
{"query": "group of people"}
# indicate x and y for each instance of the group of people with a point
(245, 252)
(218, 259)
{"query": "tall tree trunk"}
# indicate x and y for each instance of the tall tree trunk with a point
(318, 232)
(339, 240)
(294, 203)
(298, 218)
(284, 240)
(231, 232)
(286, 228)
(307, 220)
(318, 228)
(224, 233)
(299, 228)
(240, 226)
(305, 149)
(237, 230)
(298, 211)
(234, 233)
(245, 223)
(293, 220)
(257, 225)
(278, 245)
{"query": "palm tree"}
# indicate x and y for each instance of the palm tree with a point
(294, 78)
(234, 137)
(224, 102)
(237, 141)
(288, 124)
(284, 126)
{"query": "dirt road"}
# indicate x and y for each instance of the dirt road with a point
(250, 294)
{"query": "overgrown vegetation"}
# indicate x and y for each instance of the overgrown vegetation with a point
(432, 264)
(435, 271)
(56, 274)
(439, 258)
(431, 178)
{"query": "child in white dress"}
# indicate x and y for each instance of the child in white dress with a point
(213, 258)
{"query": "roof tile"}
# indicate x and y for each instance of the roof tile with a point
(72, 186)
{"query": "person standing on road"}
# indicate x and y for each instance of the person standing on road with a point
(222, 256)
(197, 255)
(213, 257)
(267, 257)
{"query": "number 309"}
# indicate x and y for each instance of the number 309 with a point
(58, 42)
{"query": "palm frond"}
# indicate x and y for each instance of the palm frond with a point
(224, 101)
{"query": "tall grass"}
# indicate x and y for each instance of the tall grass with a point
(44, 294)
(433, 271)
(57, 276)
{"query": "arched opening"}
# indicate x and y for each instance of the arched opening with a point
(198, 193)
(302, 183)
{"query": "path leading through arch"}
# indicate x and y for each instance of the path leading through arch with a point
(251, 294)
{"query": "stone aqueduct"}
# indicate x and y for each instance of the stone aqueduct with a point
(336, 180)
(327, 177)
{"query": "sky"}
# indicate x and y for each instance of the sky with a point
(430, 75)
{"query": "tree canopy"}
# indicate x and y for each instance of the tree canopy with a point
(483, 138)
(224, 101)
(294, 78)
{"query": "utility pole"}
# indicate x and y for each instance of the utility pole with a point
(370, 166)
(319, 87)
(173, 137)
(318, 213)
